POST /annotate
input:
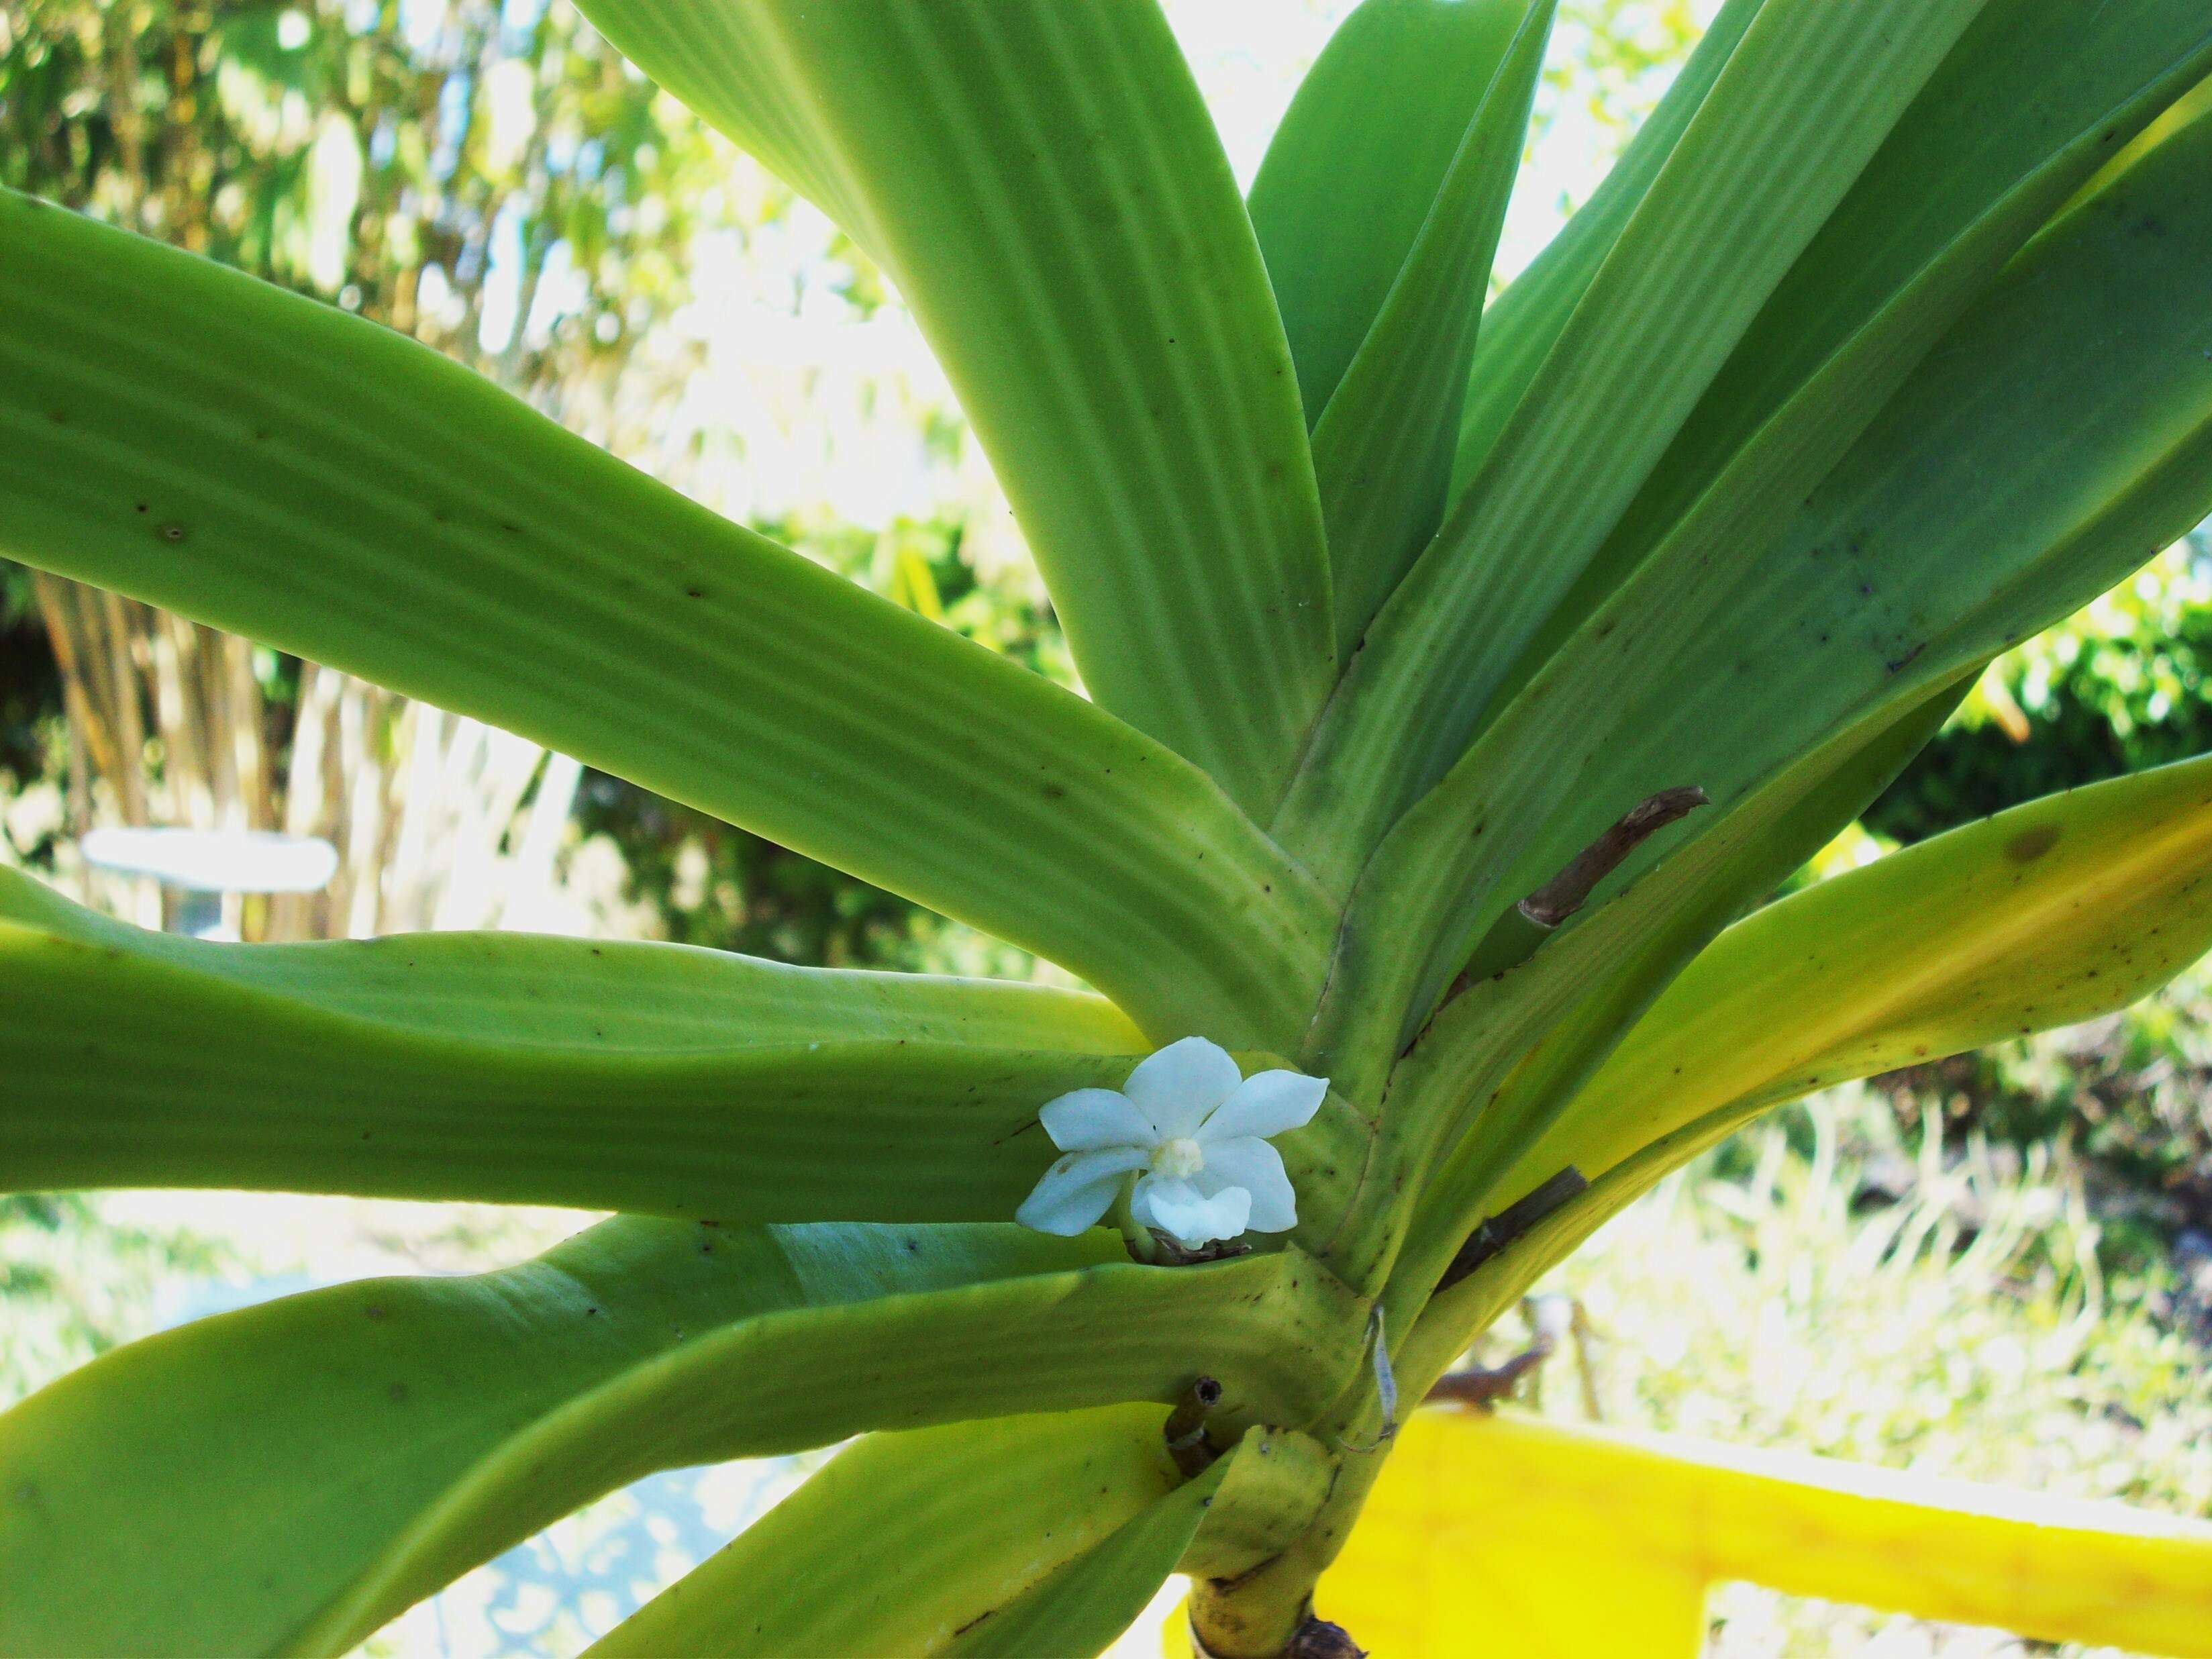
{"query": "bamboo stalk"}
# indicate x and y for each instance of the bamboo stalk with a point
(57, 607)
(388, 759)
(362, 710)
(129, 779)
(420, 793)
(347, 830)
(307, 795)
(184, 730)
(248, 739)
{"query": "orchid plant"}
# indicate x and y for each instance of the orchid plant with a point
(1462, 678)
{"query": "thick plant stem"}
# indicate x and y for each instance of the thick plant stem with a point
(1269, 1611)
(1263, 1613)
(1314, 1638)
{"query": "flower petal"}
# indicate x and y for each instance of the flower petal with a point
(1177, 1087)
(1251, 1163)
(1087, 1119)
(1186, 1215)
(1077, 1190)
(1266, 1103)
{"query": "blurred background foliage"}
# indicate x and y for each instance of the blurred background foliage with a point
(491, 179)
(2000, 1266)
(74, 1282)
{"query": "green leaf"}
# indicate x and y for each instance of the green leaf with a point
(1352, 175)
(1805, 100)
(540, 991)
(288, 1477)
(1524, 323)
(2057, 435)
(524, 1069)
(1044, 185)
(907, 1542)
(1498, 1062)
(1086, 1606)
(652, 1078)
(1382, 450)
(205, 442)
(1278, 1486)
(2055, 912)
(2032, 84)
(1985, 932)
(1450, 1319)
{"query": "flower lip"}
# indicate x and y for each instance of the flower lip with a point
(1178, 1158)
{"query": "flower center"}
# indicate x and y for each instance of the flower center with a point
(1178, 1159)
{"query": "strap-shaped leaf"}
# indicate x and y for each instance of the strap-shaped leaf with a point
(203, 442)
(1670, 1518)
(2066, 939)
(1805, 100)
(1383, 452)
(1524, 323)
(1352, 175)
(906, 1543)
(1451, 1318)
(1277, 1487)
(651, 1078)
(2058, 911)
(2059, 433)
(520, 1069)
(1500, 1061)
(1045, 186)
(541, 991)
(288, 1477)
(1084, 1607)
(2031, 81)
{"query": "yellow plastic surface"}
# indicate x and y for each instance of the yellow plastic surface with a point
(1491, 1535)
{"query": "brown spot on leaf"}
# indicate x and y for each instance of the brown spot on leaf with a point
(2030, 845)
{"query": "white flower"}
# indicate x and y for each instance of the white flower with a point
(1196, 1130)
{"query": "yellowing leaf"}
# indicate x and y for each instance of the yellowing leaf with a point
(2055, 912)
